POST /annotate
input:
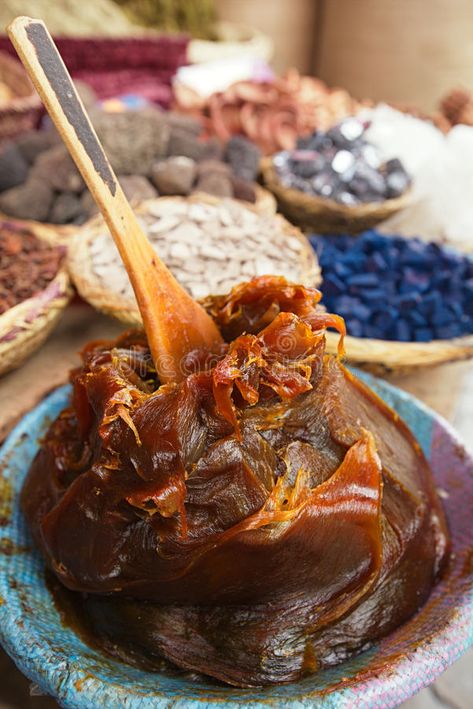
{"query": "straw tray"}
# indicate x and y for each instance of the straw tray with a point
(386, 356)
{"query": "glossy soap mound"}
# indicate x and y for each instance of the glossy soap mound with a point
(261, 520)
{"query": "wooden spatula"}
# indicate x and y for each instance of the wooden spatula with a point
(175, 324)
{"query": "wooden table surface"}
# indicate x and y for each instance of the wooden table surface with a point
(447, 389)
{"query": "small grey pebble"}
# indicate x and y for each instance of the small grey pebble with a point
(66, 208)
(174, 176)
(56, 167)
(215, 184)
(137, 187)
(32, 200)
(13, 167)
(34, 142)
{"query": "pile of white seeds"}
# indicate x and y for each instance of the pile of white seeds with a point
(209, 247)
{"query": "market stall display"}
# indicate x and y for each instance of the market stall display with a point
(337, 181)
(407, 303)
(209, 245)
(258, 369)
(153, 153)
(295, 515)
(34, 290)
(273, 114)
(440, 166)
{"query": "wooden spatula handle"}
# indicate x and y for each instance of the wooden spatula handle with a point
(175, 324)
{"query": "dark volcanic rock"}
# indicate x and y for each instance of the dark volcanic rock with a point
(66, 208)
(13, 167)
(57, 168)
(137, 187)
(34, 142)
(32, 200)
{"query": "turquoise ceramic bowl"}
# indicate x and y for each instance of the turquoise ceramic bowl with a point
(61, 664)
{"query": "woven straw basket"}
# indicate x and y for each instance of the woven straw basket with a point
(385, 356)
(121, 307)
(265, 202)
(55, 234)
(25, 327)
(325, 215)
(22, 112)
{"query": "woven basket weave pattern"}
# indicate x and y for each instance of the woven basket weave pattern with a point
(23, 111)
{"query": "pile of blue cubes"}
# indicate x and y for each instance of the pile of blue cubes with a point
(391, 288)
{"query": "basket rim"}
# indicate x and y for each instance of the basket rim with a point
(16, 312)
(55, 234)
(27, 324)
(394, 354)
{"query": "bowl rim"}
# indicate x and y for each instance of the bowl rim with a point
(17, 643)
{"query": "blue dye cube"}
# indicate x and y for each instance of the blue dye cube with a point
(374, 297)
(402, 330)
(416, 318)
(342, 269)
(332, 285)
(423, 334)
(361, 312)
(354, 328)
(446, 332)
(363, 280)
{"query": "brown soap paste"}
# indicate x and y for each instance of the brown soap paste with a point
(265, 517)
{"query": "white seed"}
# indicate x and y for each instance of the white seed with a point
(293, 243)
(167, 208)
(264, 266)
(198, 289)
(187, 231)
(163, 225)
(212, 252)
(198, 213)
(179, 251)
